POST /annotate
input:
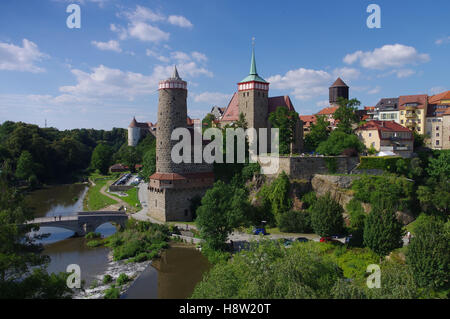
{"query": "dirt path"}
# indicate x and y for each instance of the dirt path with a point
(118, 200)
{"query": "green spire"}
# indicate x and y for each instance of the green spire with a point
(253, 64)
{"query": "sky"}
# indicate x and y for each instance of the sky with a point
(105, 72)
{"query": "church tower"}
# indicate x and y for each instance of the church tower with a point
(253, 97)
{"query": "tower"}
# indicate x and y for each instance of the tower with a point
(253, 97)
(134, 133)
(338, 89)
(172, 114)
(172, 187)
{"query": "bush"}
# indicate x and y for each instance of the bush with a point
(309, 199)
(122, 279)
(386, 163)
(94, 243)
(338, 141)
(326, 216)
(93, 235)
(112, 293)
(295, 222)
(107, 279)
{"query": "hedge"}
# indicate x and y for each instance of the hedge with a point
(387, 163)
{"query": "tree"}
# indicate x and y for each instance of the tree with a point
(222, 209)
(428, 254)
(346, 115)
(241, 122)
(149, 163)
(207, 121)
(337, 142)
(440, 166)
(25, 166)
(382, 231)
(326, 216)
(285, 121)
(319, 132)
(130, 157)
(101, 158)
(22, 266)
(279, 198)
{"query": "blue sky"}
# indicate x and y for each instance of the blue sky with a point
(106, 72)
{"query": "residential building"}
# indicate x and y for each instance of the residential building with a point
(387, 110)
(308, 121)
(437, 133)
(387, 136)
(413, 111)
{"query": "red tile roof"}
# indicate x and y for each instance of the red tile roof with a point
(308, 119)
(328, 110)
(232, 111)
(339, 83)
(386, 126)
(179, 177)
(420, 99)
(436, 99)
(277, 101)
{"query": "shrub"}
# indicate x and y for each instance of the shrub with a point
(94, 243)
(112, 293)
(295, 222)
(107, 279)
(309, 199)
(93, 235)
(122, 279)
(326, 216)
(337, 142)
(331, 164)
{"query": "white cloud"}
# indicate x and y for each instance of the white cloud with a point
(347, 73)
(142, 14)
(100, 3)
(180, 57)
(375, 90)
(159, 57)
(121, 31)
(443, 40)
(323, 103)
(17, 58)
(212, 98)
(388, 56)
(147, 33)
(404, 73)
(437, 90)
(304, 83)
(180, 21)
(111, 45)
(200, 57)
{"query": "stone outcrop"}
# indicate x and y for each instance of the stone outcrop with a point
(337, 186)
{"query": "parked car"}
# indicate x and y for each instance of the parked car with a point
(302, 239)
(330, 239)
(258, 231)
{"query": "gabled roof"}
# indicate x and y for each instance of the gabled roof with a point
(232, 111)
(339, 83)
(420, 99)
(328, 110)
(436, 99)
(308, 119)
(277, 101)
(385, 126)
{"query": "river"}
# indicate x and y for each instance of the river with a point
(174, 275)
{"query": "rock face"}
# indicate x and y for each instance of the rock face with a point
(337, 186)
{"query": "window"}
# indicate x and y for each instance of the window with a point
(401, 121)
(437, 142)
(156, 203)
(418, 129)
(437, 128)
(370, 134)
(437, 134)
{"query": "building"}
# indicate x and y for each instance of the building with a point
(413, 110)
(387, 110)
(217, 112)
(308, 121)
(446, 129)
(253, 101)
(437, 132)
(173, 185)
(137, 131)
(387, 136)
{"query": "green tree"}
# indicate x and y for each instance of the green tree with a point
(149, 163)
(130, 157)
(25, 166)
(208, 121)
(338, 141)
(346, 115)
(22, 266)
(440, 166)
(279, 198)
(428, 254)
(222, 209)
(319, 133)
(285, 121)
(101, 158)
(382, 231)
(326, 216)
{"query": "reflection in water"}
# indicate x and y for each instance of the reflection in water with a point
(173, 276)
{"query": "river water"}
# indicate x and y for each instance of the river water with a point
(174, 275)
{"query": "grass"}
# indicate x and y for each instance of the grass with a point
(276, 231)
(95, 200)
(132, 199)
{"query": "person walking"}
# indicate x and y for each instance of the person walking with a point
(408, 235)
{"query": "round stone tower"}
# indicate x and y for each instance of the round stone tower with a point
(172, 114)
(134, 133)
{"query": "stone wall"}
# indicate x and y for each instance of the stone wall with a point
(305, 167)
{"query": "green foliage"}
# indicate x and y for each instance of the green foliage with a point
(326, 216)
(122, 279)
(93, 235)
(371, 150)
(440, 166)
(386, 163)
(269, 271)
(22, 266)
(331, 164)
(382, 231)
(149, 164)
(346, 115)
(112, 293)
(207, 121)
(223, 208)
(354, 262)
(391, 192)
(428, 253)
(25, 166)
(139, 241)
(94, 243)
(318, 133)
(309, 199)
(215, 256)
(419, 139)
(285, 121)
(101, 158)
(338, 141)
(356, 213)
(107, 279)
(295, 222)
(279, 196)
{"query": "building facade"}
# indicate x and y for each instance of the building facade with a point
(437, 131)
(387, 136)
(173, 185)
(413, 110)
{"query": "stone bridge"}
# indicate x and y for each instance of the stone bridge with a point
(83, 222)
